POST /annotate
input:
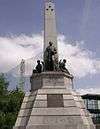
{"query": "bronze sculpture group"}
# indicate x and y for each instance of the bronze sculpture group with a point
(51, 61)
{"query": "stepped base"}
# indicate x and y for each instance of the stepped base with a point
(52, 104)
(56, 127)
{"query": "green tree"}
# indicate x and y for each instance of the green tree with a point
(10, 102)
(3, 85)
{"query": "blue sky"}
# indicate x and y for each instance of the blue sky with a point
(77, 20)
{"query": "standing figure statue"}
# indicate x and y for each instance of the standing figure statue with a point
(49, 57)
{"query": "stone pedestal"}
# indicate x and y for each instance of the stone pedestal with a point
(52, 104)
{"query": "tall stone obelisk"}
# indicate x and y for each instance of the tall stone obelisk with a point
(52, 103)
(50, 32)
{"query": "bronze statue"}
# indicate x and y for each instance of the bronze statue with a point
(49, 57)
(39, 67)
(62, 66)
(42, 66)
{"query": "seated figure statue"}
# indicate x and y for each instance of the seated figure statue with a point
(39, 67)
(62, 66)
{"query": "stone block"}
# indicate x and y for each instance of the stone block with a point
(84, 112)
(69, 103)
(54, 87)
(54, 120)
(68, 97)
(55, 111)
(21, 121)
(40, 104)
(58, 127)
(24, 112)
(53, 81)
(81, 105)
(53, 91)
(37, 127)
(26, 99)
(32, 93)
(41, 97)
(27, 105)
(49, 79)
(29, 99)
(36, 83)
(67, 82)
(20, 127)
(89, 120)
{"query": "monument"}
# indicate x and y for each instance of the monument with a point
(52, 103)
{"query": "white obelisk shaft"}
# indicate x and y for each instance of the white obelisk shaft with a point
(50, 32)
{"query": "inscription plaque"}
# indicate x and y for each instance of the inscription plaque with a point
(55, 100)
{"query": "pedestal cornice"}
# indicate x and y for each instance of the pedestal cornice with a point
(52, 74)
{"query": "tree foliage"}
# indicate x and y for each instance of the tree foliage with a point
(10, 102)
(3, 85)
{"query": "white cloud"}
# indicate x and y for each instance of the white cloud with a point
(97, 64)
(80, 61)
(89, 91)
(14, 48)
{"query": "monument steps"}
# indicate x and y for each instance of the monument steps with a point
(48, 108)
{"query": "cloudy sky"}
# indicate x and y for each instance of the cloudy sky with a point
(78, 25)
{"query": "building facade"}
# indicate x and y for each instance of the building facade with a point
(92, 102)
